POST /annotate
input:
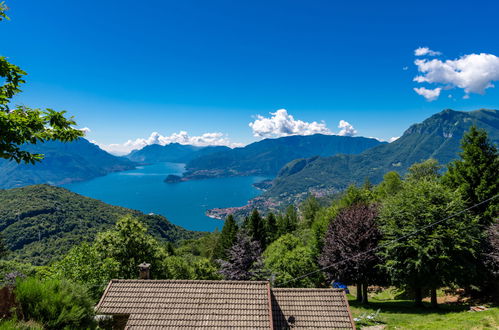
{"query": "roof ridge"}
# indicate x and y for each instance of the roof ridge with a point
(188, 281)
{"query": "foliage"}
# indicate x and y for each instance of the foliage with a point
(288, 258)
(288, 222)
(203, 246)
(226, 239)
(24, 125)
(256, 228)
(84, 265)
(475, 174)
(57, 304)
(14, 324)
(11, 269)
(309, 208)
(129, 244)
(271, 227)
(3, 248)
(391, 184)
(41, 223)
(427, 170)
(243, 257)
(444, 249)
(350, 236)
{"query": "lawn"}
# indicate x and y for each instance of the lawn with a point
(401, 314)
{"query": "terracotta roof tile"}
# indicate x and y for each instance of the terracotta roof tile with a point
(186, 304)
(310, 308)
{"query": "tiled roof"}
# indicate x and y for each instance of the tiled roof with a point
(310, 308)
(186, 304)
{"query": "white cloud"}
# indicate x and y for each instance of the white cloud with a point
(428, 94)
(425, 51)
(390, 140)
(283, 124)
(85, 130)
(473, 73)
(182, 137)
(346, 129)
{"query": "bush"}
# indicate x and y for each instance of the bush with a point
(57, 304)
(19, 325)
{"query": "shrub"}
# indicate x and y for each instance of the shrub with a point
(57, 304)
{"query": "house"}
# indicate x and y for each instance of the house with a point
(198, 304)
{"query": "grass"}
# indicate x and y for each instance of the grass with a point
(401, 314)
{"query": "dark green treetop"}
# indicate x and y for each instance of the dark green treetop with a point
(226, 239)
(476, 173)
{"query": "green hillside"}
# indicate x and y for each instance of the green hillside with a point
(63, 163)
(41, 223)
(437, 137)
(266, 157)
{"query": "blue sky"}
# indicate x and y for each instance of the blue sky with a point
(126, 69)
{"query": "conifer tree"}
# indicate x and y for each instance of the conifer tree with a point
(308, 209)
(475, 174)
(271, 228)
(287, 222)
(226, 240)
(256, 228)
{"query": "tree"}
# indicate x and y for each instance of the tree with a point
(429, 170)
(288, 258)
(349, 237)
(425, 244)
(475, 174)
(288, 222)
(3, 248)
(23, 125)
(391, 184)
(84, 265)
(271, 227)
(256, 228)
(130, 244)
(243, 257)
(226, 239)
(309, 208)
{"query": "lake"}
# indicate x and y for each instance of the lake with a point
(183, 203)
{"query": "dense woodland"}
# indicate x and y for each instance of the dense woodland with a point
(436, 227)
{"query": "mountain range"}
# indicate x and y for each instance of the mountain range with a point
(40, 223)
(268, 156)
(63, 163)
(437, 137)
(173, 153)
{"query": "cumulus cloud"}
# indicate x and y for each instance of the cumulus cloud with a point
(346, 129)
(182, 137)
(473, 73)
(425, 51)
(428, 94)
(283, 124)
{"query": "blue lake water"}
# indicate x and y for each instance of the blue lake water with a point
(183, 203)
